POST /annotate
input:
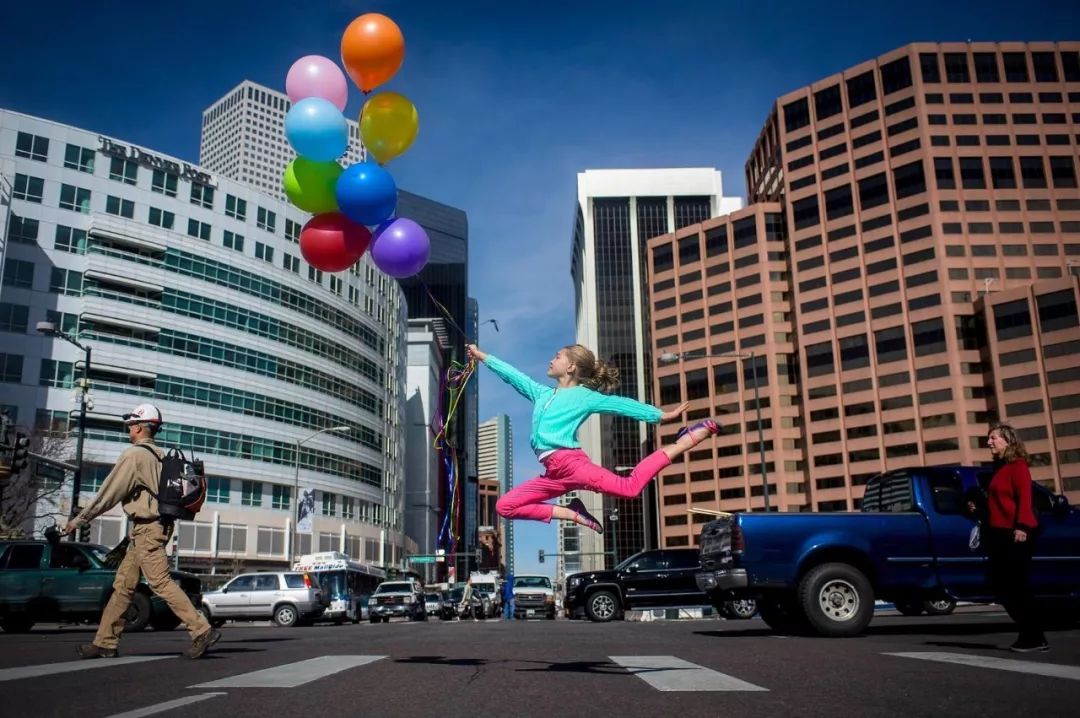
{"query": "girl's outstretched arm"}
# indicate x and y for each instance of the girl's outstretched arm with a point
(525, 386)
(623, 406)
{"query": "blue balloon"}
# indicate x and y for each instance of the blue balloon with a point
(317, 130)
(366, 193)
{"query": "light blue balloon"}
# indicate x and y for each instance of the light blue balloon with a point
(317, 130)
(366, 193)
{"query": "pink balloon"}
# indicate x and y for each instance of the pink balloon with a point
(317, 76)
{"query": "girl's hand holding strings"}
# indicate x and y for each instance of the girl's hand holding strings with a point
(674, 413)
(475, 353)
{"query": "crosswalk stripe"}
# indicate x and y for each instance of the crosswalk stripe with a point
(291, 675)
(1053, 670)
(166, 706)
(668, 673)
(48, 669)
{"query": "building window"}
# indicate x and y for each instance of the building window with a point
(819, 359)
(290, 263)
(1012, 319)
(336, 283)
(197, 229)
(65, 281)
(75, 198)
(956, 67)
(329, 504)
(14, 318)
(68, 239)
(1062, 171)
(11, 366)
(805, 212)
(126, 171)
(348, 507)
(838, 202)
(18, 274)
(1057, 311)
(161, 218)
(971, 331)
(895, 76)
(281, 497)
(1002, 173)
(163, 183)
(1015, 67)
(1032, 172)
(30, 189)
(943, 173)
(33, 147)
(292, 230)
(873, 191)
(971, 173)
(217, 490)
(264, 252)
(23, 230)
(796, 115)
(120, 207)
(827, 103)
(890, 345)
(928, 337)
(314, 275)
(861, 89)
(231, 240)
(986, 67)
(928, 65)
(251, 493)
(236, 207)
(266, 220)
(909, 180)
(202, 195)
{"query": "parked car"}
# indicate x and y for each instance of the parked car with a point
(432, 602)
(397, 598)
(649, 579)
(289, 598)
(909, 544)
(533, 596)
(478, 607)
(737, 609)
(66, 581)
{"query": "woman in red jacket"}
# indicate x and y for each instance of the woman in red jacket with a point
(1009, 537)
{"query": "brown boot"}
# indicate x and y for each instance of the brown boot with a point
(203, 642)
(92, 650)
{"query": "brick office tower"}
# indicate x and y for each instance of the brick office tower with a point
(922, 284)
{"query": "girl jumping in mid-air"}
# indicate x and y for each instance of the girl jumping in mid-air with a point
(581, 389)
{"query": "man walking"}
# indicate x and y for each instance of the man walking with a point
(508, 597)
(134, 483)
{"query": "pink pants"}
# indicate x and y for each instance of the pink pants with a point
(571, 470)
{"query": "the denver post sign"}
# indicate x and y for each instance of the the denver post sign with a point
(184, 171)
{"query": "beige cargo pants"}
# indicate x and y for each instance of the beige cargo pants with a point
(146, 555)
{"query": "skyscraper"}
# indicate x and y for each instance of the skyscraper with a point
(243, 138)
(618, 210)
(903, 279)
(496, 476)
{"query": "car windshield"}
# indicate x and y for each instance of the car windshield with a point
(98, 552)
(457, 593)
(394, 588)
(333, 582)
(532, 582)
(628, 561)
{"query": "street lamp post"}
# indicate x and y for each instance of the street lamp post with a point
(296, 485)
(613, 517)
(49, 329)
(671, 358)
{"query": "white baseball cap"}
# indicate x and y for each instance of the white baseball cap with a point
(141, 413)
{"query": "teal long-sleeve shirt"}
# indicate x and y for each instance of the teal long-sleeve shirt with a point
(558, 412)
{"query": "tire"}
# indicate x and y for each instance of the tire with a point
(215, 622)
(138, 613)
(837, 600)
(781, 613)
(740, 609)
(939, 607)
(286, 615)
(164, 622)
(16, 625)
(601, 606)
(909, 608)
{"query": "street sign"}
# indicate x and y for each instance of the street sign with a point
(421, 559)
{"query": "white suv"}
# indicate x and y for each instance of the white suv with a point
(288, 598)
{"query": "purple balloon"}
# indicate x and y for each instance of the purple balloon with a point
(400, 248)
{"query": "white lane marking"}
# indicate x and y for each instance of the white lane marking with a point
(668, 673)
(166, 706)
(1053, 670)
(48, 669)
(291, 675)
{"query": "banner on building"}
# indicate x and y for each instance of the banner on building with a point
(305, 511)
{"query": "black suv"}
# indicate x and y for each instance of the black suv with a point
(660, 578)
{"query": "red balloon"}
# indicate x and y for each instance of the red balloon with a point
(332, 242)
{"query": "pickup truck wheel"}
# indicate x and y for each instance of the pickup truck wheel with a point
(138, 613)
(16, 625)
(909, 608)
(781, 614)
(939, 607)
(286, 616)
(740, 609)
(837, 599)
(601, 606)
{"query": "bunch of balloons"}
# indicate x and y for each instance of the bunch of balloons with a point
(353, 206)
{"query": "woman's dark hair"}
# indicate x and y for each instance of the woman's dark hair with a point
(592, 372)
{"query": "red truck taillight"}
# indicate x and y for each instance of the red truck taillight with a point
(738, 543)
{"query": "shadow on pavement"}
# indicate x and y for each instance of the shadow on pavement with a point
(962, 644)
(443, 661)
(594, 667)
(935, 629)
(254, 640)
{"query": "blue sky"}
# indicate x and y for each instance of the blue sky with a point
(514, 98)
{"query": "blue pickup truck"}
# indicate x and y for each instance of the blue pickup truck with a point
(821, 572)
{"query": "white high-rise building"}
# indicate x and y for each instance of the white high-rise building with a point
(495, 460)
(617, 211)
(243, 138)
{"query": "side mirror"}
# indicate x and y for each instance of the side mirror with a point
(631, 569)
(224, 589)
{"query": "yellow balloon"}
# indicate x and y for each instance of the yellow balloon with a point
(388, 125)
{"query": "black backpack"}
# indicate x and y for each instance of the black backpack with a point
(182, 489)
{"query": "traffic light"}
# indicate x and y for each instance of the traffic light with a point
(541, 555)
(84, 533)
(19, 458)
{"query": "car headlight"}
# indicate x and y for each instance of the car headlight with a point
(408, 599)
(549, 599)
(573, 582)
(371, 602)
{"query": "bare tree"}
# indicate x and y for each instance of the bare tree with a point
(39, 492)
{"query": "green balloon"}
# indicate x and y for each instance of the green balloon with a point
(311, 186)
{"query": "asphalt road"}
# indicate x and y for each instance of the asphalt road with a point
(955, 666)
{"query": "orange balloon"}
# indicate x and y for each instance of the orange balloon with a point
(372, 49)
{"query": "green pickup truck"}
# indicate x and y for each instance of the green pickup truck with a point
(68, 582)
